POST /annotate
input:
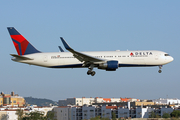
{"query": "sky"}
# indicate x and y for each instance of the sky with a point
(94, 25)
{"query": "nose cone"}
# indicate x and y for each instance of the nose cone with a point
(171, 59)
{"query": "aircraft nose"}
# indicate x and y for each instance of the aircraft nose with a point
(171, 59)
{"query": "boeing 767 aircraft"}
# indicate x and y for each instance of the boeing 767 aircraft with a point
(106, 60)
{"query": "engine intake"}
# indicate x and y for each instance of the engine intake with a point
(109, 65)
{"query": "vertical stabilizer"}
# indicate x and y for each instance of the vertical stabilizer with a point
(22, 46)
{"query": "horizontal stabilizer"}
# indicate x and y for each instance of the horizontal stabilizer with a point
(21, 57)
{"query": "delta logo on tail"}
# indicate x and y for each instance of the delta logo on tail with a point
(22, 46)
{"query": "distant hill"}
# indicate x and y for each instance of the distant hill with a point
(39, 101)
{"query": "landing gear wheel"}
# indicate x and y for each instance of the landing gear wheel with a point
(89, 72)
(160, 71)
(160, 67)
(93, 73)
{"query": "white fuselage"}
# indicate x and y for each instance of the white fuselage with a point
(124, 58)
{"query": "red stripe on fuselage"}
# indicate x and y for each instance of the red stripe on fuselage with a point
(24, 43)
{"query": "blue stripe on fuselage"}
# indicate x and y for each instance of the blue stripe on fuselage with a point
(68, 66)
(135, 65)
(80, 65)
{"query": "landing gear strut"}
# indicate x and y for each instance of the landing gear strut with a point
(160, 67)
(90, 71)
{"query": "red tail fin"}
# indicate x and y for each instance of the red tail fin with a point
(22, 46)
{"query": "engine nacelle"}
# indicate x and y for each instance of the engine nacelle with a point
(109, 65)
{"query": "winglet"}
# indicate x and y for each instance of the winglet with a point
(60, 48)
(65, 44)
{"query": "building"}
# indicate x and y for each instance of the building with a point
(123, 112)
(11, 99)
(62, 113)
(9, 112)
(8, 115)
(91, 111)
(162, 101)
(90, 101)
(126, 104)
(143, 112)
(76, 101)
(82, 112)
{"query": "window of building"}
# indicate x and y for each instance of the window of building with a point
(14, 101)
(7, 100)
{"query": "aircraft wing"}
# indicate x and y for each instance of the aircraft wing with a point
(20, 57)
(80, 56)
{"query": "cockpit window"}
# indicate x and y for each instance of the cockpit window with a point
(166, 55)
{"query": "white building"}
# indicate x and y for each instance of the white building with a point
(62, 113)
(9, 112)
(89, 101)
(8, 115)
(81, 112)
(87, 112)
(143, 112)
(163, 101)
(76, 101)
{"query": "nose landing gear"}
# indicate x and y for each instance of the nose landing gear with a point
(90, 71)
(160, 67)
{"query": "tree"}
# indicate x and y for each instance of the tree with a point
(50, 115)
(36, 115)
(166, 115)
(96, 118)
(20, 114)
(153, 115)
(99, 118)
(113, 116)
(104, 119)
(4, 117)
(175, 113)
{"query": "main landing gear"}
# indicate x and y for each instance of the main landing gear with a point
(90, 71)
(160, 67)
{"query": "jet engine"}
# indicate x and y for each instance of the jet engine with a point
(109, 65)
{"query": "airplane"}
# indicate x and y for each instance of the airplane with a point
(105, 60)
